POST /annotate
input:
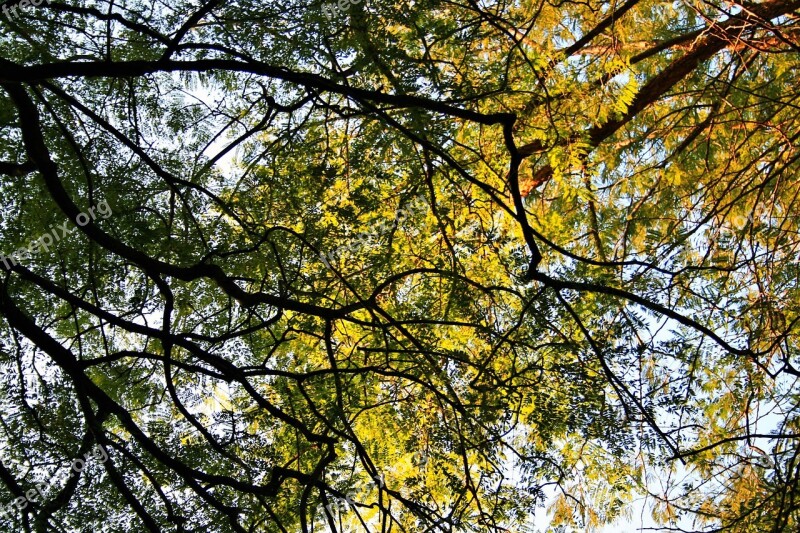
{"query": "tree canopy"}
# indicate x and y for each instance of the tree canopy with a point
(416, 265)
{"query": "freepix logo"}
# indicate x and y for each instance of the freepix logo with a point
(44, 242)
(337, 8)
(55, 479)
(10, 9)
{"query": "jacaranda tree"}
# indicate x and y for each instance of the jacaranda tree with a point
(410, 265)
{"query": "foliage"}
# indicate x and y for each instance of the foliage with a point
(418, 266)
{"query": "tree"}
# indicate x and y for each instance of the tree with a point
(415, 266)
